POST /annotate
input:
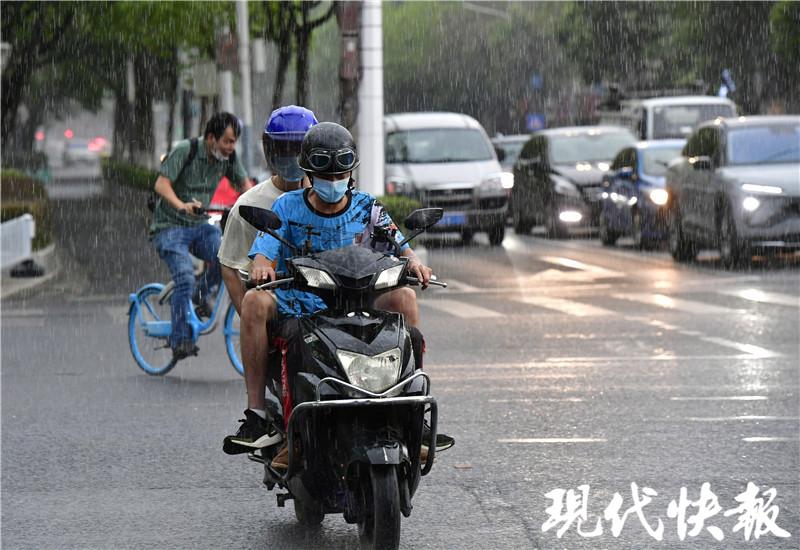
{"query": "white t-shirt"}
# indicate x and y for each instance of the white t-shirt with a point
(239, 235)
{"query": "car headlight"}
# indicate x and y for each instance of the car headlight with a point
(317, 278)
(768, 189)
(750, 204)
(659, 196)
(375, 373)
(389, 277)
(565, 187)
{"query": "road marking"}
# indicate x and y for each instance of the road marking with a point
(454, 285)
(755, 352)
(770, 439)
(723, 398)
(569, 307)
(595, 270)
(461, 309)
(511, 376)
(738, 418)
(755, 295)
(23, 322)
(539, 400)
(678, 304)
(553, 440)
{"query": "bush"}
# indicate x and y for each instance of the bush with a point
(23, 194)
(399, 207)
(123, 173)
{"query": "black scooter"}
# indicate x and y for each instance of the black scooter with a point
(355, 432)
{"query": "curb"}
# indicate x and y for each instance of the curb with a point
(47, 258)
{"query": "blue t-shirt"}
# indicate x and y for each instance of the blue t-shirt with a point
(352, 226)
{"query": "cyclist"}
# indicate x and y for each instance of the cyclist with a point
(283, 133)
(185, 182)
(341, 216)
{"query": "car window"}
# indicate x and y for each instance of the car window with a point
(656, 160)
(438, 145)
(764, 144)
(677, 121)
(588, 146)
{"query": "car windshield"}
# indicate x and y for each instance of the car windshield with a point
(678, 121)
(437, 145)
(655, 161)
(588, 146)
(774, 144)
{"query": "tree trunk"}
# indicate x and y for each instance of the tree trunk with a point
(172, 98)
(143, 143)
(14, 80)
(303, 36)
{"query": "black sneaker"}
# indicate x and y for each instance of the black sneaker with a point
(184, 350)
(254, 433)
(443, 442)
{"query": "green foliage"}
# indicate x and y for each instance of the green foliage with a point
(399, 207)
(116, 172)
(785, 21)
(23, 194)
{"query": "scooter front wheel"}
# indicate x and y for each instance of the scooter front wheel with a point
(149, 326)
(379, 528)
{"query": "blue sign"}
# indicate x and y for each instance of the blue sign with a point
(534, 121)
(537, 81)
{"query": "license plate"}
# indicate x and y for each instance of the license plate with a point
(453, 218)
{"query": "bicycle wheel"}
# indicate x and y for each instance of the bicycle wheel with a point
(149, 327)
(232, 345)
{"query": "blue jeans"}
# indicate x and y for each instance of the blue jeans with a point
(174, 246)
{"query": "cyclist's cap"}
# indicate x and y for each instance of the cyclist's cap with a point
(289, 123)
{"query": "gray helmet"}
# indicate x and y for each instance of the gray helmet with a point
(328, 148)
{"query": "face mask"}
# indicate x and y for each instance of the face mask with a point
(287, 168)
(217, 154)
(330, 191)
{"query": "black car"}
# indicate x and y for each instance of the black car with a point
(558, 177)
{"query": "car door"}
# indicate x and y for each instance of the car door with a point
(696, 180)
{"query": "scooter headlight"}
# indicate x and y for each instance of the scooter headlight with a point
(389, 277)
(373, 374)
(317, 278)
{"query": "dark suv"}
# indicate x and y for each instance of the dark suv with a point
(558, 177)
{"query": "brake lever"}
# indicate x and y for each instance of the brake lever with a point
(269, 285)
(415, 281)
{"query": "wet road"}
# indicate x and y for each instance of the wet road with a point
(562, 368)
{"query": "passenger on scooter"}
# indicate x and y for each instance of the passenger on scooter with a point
(283, 133)
(339, 216)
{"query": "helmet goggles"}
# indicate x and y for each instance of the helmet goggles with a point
(331, 161)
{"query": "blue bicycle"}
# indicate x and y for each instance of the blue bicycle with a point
(150, 324)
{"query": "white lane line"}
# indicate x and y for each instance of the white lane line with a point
(595, 270)
(722, 398)
(539, 400)
(755, 295)
(553, 440)
(454, 285)
(510, 376)
(569, 307)
(770, 439)
(677, 304)
(755, 352)
(460, 309)
(739, 418)
(23, 322)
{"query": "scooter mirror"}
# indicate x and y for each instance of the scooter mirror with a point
(259, 218)
(423, 218)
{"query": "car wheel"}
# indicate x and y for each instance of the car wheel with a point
(521, 225)
(680, 246)
(607, 237)
(639, 240)
(555, 228)
(497, 234)
(732, 251)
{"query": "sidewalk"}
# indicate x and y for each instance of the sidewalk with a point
(46, 258)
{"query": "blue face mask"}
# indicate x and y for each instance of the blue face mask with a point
(287, 168)
(330, 191)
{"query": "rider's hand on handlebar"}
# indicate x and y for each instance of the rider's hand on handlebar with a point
(262, 270)
(422, 272)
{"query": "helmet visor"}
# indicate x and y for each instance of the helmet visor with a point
(340, 160)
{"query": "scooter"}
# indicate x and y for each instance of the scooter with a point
(355, 431)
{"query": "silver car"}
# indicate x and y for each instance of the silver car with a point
(446, 160)
(736, 187)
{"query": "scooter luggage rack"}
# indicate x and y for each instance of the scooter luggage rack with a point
(373, 399)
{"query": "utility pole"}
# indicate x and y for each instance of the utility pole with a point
(370, 99)
(226, 61)
(348, 16)
(243, 30)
